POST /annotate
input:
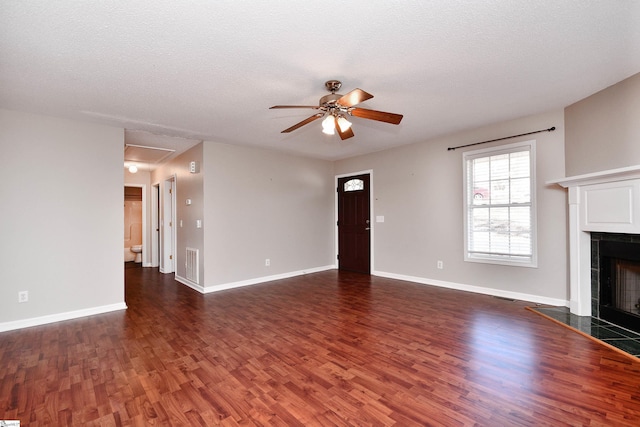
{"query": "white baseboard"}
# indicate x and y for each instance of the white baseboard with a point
(59, 317)
(43, 320)
(249, 282)
(190, 284)
(421, 280)
(476, 289)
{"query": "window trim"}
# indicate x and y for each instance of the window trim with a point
(531, 262)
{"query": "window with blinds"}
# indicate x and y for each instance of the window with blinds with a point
(500, 205)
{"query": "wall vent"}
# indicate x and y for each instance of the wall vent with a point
(193, 269)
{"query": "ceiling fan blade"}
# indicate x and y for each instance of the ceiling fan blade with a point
(295, 106)
(346, 134)
(381, 116)
(354, 97)
(304, 122)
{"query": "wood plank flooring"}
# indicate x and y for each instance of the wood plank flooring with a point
(328, 348)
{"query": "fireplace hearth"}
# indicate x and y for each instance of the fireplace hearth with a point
(617, 259)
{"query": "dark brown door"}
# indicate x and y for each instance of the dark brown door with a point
(354, 226)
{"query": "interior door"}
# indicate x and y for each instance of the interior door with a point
(354, 225)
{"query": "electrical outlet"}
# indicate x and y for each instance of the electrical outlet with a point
(267, 262)
(440, 265)
(23, 296)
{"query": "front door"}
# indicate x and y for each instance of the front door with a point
(354, 226)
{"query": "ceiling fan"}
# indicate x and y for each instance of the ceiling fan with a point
(335, 107)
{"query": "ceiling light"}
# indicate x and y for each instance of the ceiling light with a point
(133, 169)
(329, 125)
(343, 123)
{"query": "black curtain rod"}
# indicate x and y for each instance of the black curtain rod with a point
(551, 129)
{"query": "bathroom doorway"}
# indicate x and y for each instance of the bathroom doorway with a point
(135, 224)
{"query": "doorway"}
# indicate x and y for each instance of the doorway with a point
(135, 233)
(354, 223)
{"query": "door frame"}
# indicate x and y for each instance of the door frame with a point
(168, 233)
(335, 222)
(155, 225)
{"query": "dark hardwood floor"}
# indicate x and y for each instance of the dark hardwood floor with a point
(329, 348)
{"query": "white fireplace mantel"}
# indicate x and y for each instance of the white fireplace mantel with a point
(607, 201)
(630, 172)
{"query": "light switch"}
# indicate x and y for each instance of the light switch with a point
(180, 223)
(188, 202)
(380, 218)
(198, 223)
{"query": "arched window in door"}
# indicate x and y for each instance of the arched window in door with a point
(354, 185)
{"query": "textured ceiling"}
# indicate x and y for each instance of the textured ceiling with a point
(209, 70)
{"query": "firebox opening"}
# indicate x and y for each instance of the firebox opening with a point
(620, 283)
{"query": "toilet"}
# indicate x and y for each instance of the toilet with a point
(137, 249)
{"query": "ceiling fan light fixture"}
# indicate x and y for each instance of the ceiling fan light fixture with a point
(344, 124)
(334, 107)
(329, 125)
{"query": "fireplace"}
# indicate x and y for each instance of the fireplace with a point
(617, 260)
(606, 203)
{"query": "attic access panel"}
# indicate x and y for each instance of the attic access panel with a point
(143, 154)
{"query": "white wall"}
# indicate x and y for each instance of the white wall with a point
(263, 204)
(419, 190)
(61, 219)
(603, 130)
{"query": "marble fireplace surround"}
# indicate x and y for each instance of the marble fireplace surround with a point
(607, 202)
